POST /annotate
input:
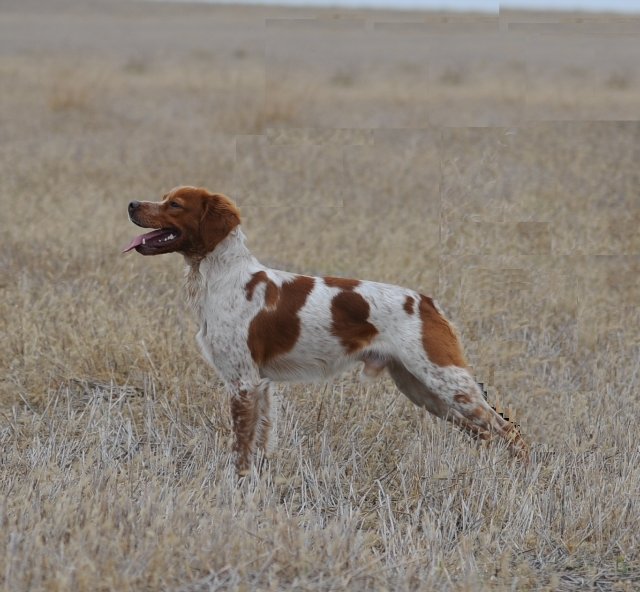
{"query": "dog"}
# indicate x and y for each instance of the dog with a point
(258, 325)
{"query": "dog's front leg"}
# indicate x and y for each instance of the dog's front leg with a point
(263, 427)
(244, 414)
(251, 422)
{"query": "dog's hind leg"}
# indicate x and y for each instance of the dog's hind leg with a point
(415, 390)
(451, 393)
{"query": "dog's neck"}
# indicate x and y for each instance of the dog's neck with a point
(230, 255)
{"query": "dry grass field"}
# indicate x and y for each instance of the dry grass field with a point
(492, 162)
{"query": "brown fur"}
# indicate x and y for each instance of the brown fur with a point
(409, 304)
(438, 339)
(203, 219)
(244, 414)
(273, 332)
(219, 218)
(272, 292)
(349, 314)
(462, 398)
(342, 283)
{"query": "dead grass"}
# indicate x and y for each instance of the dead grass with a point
(115, 468)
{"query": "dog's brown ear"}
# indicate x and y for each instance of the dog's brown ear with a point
(219, 217)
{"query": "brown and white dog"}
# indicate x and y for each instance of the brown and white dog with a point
(259, 325)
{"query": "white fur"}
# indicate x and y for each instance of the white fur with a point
(217, 288)
(225, 313)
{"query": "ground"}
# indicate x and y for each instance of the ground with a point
(488, 161)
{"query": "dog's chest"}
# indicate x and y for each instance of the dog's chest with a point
(223, 320)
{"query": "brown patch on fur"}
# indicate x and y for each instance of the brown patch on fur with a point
(271, 293)
(256, 278)
(349, 313)
(408, 305)
(220, 216)
(438, 339)
(244, 414)
(462, 398)
(342, 283)
(274, 332)
(479, 415)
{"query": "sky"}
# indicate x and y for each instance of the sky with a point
(632, 6)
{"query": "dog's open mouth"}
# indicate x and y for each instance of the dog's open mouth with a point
(154, 239)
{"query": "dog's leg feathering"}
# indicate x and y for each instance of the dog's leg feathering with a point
(250, 413)
(263, 427)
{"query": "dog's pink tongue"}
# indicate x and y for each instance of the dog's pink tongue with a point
(136, 242)
(133, 244)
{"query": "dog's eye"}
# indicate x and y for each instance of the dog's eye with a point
(174, 204)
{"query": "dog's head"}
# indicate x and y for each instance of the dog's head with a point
(188, 220)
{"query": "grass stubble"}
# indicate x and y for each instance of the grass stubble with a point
(447, 154)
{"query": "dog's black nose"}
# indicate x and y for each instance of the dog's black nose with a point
(134, 205)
